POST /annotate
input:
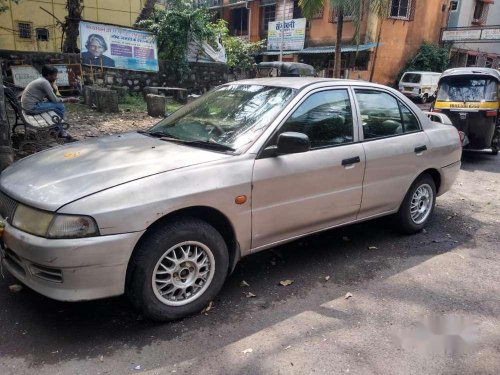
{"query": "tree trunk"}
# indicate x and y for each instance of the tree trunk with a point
(376, 49)
(6, 154)
(71, 26)
(147, 11)
(338, 43)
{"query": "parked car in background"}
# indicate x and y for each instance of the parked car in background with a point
(421, 86)
(165, 215)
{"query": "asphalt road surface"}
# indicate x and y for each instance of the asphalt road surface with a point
(422, 304)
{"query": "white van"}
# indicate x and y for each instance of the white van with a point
(419, 85)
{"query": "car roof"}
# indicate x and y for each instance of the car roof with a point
(301, 82)
(421, 72)
(493, 73)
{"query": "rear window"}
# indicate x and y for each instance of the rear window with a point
(468, 89)
(411, 78)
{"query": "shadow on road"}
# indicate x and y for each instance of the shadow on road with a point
(43, 331)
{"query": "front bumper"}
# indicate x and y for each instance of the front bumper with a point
(69, 269)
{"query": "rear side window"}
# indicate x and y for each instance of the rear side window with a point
(384, 116)
(411, 78)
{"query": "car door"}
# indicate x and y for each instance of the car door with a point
(395, 147)
(305, 192)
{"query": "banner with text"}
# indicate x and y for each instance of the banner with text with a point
(117, 47)
(293, 38)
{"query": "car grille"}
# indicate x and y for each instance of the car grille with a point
(7, 206)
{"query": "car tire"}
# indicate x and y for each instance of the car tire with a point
(494, 150)
(189, 261)
(424, 99)
(418, 205)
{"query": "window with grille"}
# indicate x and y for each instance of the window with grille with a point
(489, 62)
(453, 5)
(42, 34)
(297, 10)
(268, 15)
(480, 12)
(24, 30)
(401, 9)
(348, 14)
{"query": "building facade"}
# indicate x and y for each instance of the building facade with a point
(31, 25)
(407, 24)
(472, 15)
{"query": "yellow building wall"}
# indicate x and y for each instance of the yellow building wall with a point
(118, 12)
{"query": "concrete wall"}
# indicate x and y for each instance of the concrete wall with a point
(202, 77)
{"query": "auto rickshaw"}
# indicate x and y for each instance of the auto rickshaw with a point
(470, 98)
(284, 69)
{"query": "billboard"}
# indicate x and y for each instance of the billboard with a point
(117, 47)
(293, 38)
(465, 34)
(68, 74)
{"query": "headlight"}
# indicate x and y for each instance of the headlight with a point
(72, 226)
(46, 224)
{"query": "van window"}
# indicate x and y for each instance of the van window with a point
(411, 78)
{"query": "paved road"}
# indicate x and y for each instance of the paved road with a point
(422, 304)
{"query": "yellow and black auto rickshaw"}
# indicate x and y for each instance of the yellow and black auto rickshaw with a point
(470, 98)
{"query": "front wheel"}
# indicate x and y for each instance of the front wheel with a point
(494, 150)
(418, 205)
(177, 270)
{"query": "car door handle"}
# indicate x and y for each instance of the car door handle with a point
(351, 161)
(420, 149)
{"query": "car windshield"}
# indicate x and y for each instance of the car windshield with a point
(232, 115)
(463, 89)
(411, 78)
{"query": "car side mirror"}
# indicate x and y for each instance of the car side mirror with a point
(292, 143)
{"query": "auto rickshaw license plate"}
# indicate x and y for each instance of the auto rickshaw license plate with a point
(464, 105)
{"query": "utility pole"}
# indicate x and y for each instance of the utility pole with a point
(282, 31)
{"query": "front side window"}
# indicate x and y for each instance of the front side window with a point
(400, 9)
(412, 78)
(232, 116)
(325, 117)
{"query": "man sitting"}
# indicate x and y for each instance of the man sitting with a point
(39, 96)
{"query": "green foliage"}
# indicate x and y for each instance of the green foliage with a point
(429, 58)
(174, 27)
(4, 6)
(240, 53)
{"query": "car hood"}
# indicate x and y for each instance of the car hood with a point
(53, 178)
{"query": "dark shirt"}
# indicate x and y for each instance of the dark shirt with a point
(89, 59)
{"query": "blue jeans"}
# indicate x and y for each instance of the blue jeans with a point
(46, 106)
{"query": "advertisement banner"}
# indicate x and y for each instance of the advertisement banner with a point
(293, 38)
(455, 35)
(68, 75)
(117, 47)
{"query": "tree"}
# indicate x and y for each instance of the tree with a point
(240, 52)
(6, 156)
(71, 26)
(174, 27)
(341, 7)
(380, 8)
(146, 12)
(4, 6)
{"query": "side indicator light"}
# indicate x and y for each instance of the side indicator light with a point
(240, 199)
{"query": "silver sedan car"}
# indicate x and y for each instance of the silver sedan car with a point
(164, 215)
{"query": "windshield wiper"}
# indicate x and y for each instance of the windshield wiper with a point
(207, 144)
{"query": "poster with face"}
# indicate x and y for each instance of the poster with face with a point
(117, 47)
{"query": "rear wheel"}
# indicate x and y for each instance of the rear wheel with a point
(177, 270)
(418, 205)
(424, 98)
(494, 150)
